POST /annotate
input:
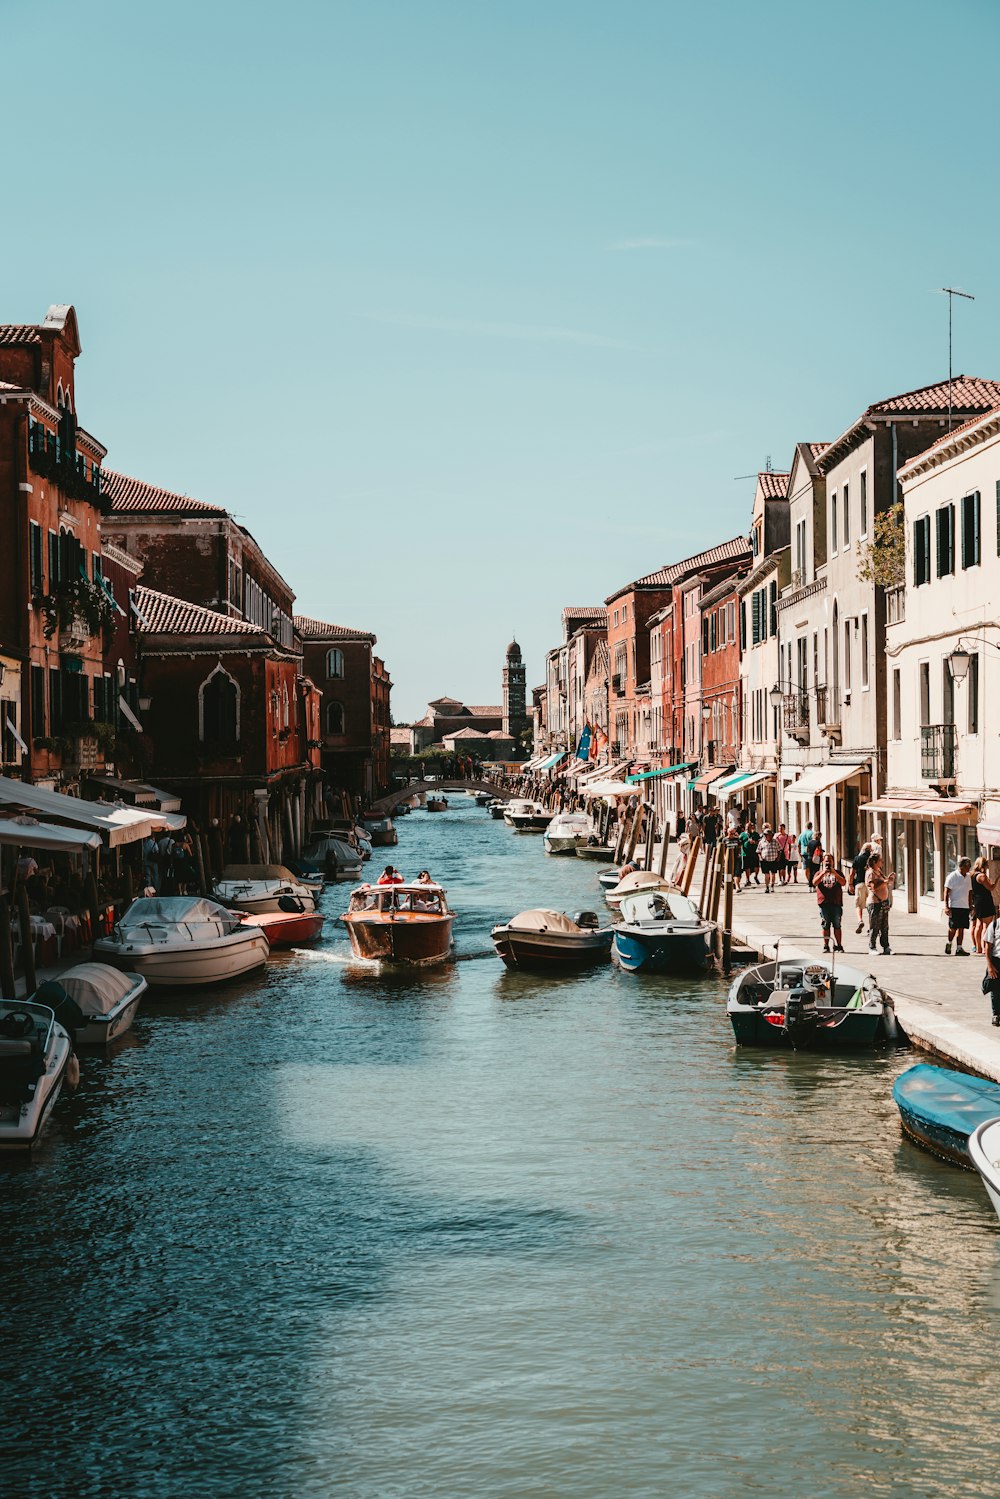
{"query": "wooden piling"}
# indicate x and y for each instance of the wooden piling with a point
(199, 843)
(692, 860)
(727, 917)
(661, 868)
(623, 832)
(7, 989)
(640, 817)
(27, 950)
(90, 896)
(647, 862)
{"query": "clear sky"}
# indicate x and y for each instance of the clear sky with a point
(473, 310)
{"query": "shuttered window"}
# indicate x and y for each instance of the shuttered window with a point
(945, 540)
(37, 701)
(970, 530)
(36, 563)
(743, 624)
(922, 550)
(773, 610)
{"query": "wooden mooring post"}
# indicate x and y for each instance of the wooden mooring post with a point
(727, 917)
(27, 950)
(689, 867)
(7, 989)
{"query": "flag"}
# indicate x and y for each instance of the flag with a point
(583, 748)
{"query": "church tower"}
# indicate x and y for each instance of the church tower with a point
(515, 713)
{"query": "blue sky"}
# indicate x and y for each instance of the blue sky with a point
(472, 311)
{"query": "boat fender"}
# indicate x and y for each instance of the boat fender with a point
(73, 1072)
(889, 1018)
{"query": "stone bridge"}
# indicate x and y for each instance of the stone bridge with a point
(385, 804)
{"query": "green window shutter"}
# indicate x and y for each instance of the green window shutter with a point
(773, 609)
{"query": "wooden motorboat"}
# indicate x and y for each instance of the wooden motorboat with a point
(183, 941)
(409, 923)
(552, 940)
(662, 932)
(526, 816)
(381, 832)
(792, 1003)
(436, 804)
(941, 1108)
(258, 895)
(633, 884)
(287, 928)
(36, 1055)
(567, 832)
(984, 1152)
(94, 1002)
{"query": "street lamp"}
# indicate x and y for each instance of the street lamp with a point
(959, 661)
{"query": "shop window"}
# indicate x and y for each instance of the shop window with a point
(949, 842)
(927, 858)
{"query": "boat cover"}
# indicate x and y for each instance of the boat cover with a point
(640, 879)
(953, 1099)
(258, 872)
(190, 911)
(544, 921)
(97, 988)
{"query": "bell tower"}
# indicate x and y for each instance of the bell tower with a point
(515, 715)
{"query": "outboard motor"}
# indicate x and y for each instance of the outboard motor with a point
(587, 919)
(800, 1007)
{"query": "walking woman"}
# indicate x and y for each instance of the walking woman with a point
(792, 860)
(984, 906)
(829, 887)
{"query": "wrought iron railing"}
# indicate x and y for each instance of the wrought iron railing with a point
(937, 751)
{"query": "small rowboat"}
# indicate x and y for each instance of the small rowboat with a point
(940, 1108)
(287, 928)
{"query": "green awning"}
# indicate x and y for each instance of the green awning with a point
(667, 770)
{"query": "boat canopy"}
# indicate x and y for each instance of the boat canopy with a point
(25, 832)
(190, 911)
(544, 921)
(96, 987)
(639, 879)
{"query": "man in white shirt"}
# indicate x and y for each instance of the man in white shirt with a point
(957, 900)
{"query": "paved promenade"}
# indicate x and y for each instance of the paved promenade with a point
(939, 1000)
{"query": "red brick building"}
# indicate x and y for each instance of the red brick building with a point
(232, 720)
(355, 708)
(629, 613)
(53, 607)
(720, 671)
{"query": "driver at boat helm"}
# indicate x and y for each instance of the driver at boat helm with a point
(390, 876)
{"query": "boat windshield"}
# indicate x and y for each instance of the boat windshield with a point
(422, 899)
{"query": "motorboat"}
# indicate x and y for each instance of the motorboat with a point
(304, 871)
(808, 1006)
(183, 941)
(608, 879)
(408, 923)
(551, 940)
(483, 798)
(984, 1150)
(334, 855)
(567, 832)
(632, 884)
(496, 808)
(287, 927)
(259, 894)
(36, 1058)
(436, 804)
(661, 932)
(941, 1109)
(595, 849)
(381, 832)
(526, 816)
(94, 1002)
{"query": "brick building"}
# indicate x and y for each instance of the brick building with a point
(720, 671)
(355, 710)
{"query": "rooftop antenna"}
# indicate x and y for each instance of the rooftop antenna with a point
(767, 469)
(951, 292)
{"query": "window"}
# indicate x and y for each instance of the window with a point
(802, 674)
(897, 704)
(773, 610)
(833, 523)
(743, 624)
(219, 704)
(53, 561)
(96, 569)
(38, 701)
(847, 655)
(847, 514)
(924, 692)
(55, 701)
(926, 857)
(922, 550)
(863, 501)
(800, 550)
(335, 663)
(973, 690)
(334, 718)
(35, 547)
(970, 530)
(947, 693)
(945, 540)
(864, 650)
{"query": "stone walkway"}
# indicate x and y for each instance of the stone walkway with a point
(939, 999)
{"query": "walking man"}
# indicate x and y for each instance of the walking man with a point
(879, 886)
(770, 855)
(805, 838)
(957, 900)
(829, 887)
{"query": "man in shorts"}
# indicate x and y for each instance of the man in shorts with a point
(957, 900)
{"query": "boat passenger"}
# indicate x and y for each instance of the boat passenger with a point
(424, 877)
(390, 876)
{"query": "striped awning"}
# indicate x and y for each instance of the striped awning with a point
(666, 770)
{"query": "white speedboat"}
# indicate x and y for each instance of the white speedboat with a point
(299, 872)
(567, 832)
(95, 1002)
(35, 1057)
(526, 816)
(984, 1148)
(552, 940)
(183, 941)
(640, 881)
(259, 896)
(661, 932)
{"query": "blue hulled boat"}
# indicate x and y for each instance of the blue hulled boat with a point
(940, 1108)
(662, 932)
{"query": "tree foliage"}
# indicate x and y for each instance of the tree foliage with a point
(882, 559)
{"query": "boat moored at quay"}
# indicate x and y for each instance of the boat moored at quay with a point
(805, 1006)
(36, 1058)
(183, 941)
(941, 1109)
(551, 940)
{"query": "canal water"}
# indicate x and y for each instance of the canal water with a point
(474, 1233)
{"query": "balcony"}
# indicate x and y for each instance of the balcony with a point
(895, 605)
(937, 751)
(828, 714)
(795, 715)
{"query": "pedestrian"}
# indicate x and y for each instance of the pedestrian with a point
(769, 854)
(856, 883)
(829, 887)
(984, 906)
(680, 863)
(710, 830)
(751, 859)
(957, 903)
(792, 859)
(991, 978)
(804, 840)
(165, 864)
(733, 853)
(879, 886)
(784, 840)
(681, 826)
(813, 857)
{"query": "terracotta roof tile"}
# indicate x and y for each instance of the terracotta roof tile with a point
(19, 333)
(815, 448)
(968, 393)
(164, 615)
(492, 710)
(129, 495)
(123, 559)
(664, 577)
(773, 486)
(317, 629)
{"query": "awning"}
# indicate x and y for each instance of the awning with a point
(25, 832)
(167, 801)
(610, 788)
(667, 770)
(741, 781)
(134, 791)
(603, 773)
(818, 778)
(708, 776)
(95, 817)
(553, 760)
(914, 806)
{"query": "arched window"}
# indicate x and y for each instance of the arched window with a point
(334, 718)
(59, 395)
(219, 710)
(335, 662)
(284, 705)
